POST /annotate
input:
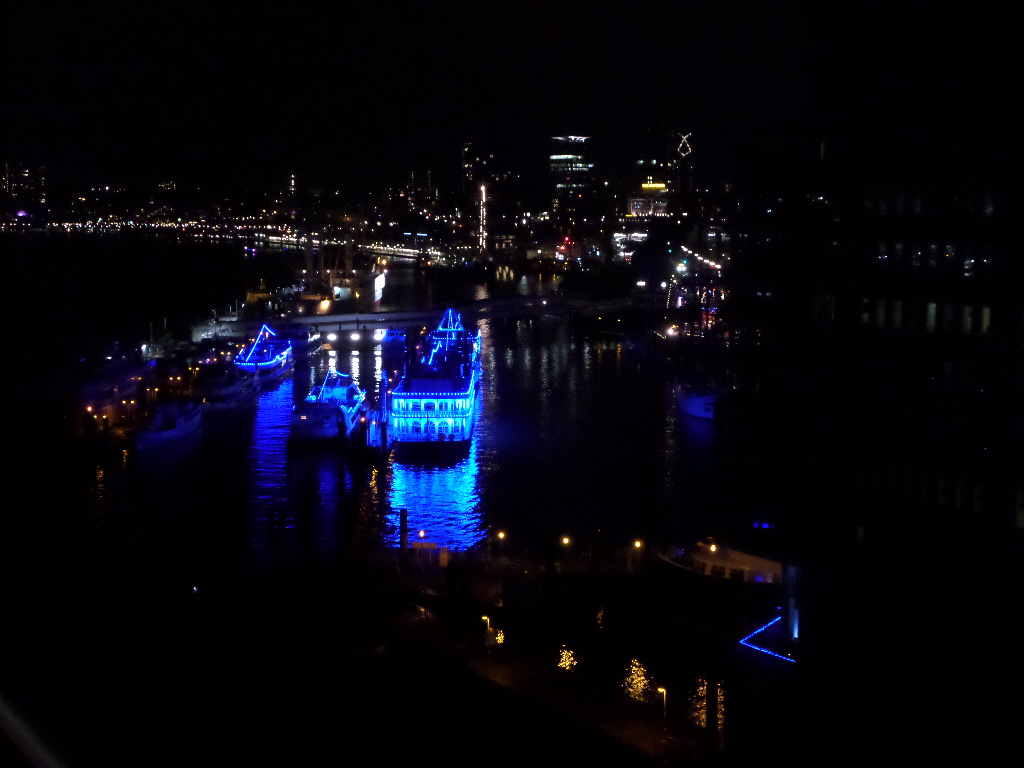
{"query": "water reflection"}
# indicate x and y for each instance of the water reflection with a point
(443, 501)
(271, 514)
(707, 702)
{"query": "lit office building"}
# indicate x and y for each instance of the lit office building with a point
(572, 178)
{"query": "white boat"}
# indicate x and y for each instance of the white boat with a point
(171, 422)
(435, 401)
(333, 410)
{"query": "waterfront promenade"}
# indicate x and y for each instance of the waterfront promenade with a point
(470, 612)
(367, 665)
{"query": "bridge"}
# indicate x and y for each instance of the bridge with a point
(471, 312)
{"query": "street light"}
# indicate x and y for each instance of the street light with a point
(488, 620)
(664, 708)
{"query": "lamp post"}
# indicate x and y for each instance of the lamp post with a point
(637, 546)
(664, 709)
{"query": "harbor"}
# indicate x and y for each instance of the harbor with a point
(301, 517)
(570, 524)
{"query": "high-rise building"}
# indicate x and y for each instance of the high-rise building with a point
(24, 185)
(573, 184)
(476, 167)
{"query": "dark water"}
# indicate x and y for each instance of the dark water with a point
(113, 556)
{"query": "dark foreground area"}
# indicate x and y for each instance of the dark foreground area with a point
(277, 673)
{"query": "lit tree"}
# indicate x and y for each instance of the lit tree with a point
(637, 685)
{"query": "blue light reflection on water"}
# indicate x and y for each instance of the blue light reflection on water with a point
(442, 500)
(271, 512)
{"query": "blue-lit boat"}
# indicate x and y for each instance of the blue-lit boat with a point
(333, 410)
(435, 401)
(267, 356)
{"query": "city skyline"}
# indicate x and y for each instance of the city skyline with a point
(214, 97)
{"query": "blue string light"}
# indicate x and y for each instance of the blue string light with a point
(744, 642)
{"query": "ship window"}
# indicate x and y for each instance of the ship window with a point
(429, 406)
(442, 427)
(430, 427)
(415, 405)
(416, 428)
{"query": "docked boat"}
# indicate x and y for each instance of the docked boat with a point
(333, 410)
(267, 356)
(222, 386)
(435, 400)
(171, 422)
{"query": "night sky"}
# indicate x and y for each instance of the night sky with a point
(350, 96)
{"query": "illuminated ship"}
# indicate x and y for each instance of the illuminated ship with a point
(333, 410)
(435, 401)
(268, 357)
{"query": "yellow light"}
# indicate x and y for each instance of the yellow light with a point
(638, 543)
(565, 539)
(714, 547)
